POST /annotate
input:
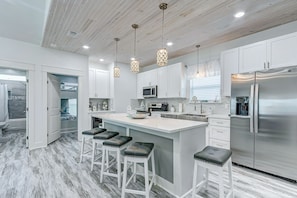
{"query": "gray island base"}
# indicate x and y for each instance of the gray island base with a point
(175, 141)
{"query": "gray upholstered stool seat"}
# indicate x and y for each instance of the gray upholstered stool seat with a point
(93, 131)
(139, 153)
(215, 155)
(139, 149)
(213, 159)
(106, 135)
(116, 145)
(87, 136)
(117, 141)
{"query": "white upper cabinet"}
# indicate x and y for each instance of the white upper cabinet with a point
(229, 65)
(252, 57)
(172, 81)
(282, 51)
(99, 83)
(176, 81)
(140, 85)
(268, 54)
(162, 82)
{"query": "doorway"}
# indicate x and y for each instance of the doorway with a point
(13, 105)
(62, 100)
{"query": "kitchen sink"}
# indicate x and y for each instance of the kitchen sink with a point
(198, 115)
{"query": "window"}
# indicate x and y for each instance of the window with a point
(206, 88)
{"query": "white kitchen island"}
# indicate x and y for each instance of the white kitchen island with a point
(175, 141)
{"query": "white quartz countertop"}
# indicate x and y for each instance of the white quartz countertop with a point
(165, 125)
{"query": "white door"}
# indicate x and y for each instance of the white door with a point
(102, 84)
(92, 82)
(174, 80)
(162, 82)
(54, 106)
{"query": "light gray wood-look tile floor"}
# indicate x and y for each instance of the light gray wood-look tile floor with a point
(55, 171)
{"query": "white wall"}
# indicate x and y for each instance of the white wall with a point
(124, 88)
(39, 61)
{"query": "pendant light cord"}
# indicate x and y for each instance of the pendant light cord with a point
(116, 52)
(163, 30)
(135, 43)
(197, 58)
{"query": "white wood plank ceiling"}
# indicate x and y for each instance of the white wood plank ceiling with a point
(74, 23)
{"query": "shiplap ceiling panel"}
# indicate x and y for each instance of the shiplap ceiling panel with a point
(74, 23)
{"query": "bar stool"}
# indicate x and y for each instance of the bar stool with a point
(116, 144)
(214, 159)
(86, 136)
(97, 141)
(139, 152)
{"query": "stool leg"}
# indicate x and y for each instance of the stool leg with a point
(107, 159)
(124, 178)
(93, 155)
(119, 168)
(153, 168)
(146, 179)
(221, 184)
(194, 179)
(134, 171)
(230, 177)
(102, 164)
(82, 149)
(206, 178)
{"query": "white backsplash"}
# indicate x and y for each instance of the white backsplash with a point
(209, 108)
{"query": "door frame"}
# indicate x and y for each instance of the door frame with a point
(29, 69)
(67, 72)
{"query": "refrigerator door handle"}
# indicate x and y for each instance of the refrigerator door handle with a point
(251, 112)
(256, 103)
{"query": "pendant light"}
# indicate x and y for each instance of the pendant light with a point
(134, 65)
(162, 54)
(116, 69)
(197, 73)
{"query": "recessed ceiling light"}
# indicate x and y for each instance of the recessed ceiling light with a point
(86, 47)
(169, 43)
(101, 59)
(239, 14)
(132, 58)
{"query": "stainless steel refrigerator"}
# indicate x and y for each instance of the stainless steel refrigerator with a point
(264, 121)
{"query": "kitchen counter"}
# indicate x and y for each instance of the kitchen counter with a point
(164, 125)
(176, 141)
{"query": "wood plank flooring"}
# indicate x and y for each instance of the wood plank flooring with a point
(55, 172)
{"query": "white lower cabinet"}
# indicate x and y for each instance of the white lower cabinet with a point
(219, 132)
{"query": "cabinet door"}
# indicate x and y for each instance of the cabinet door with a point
(92, 83)
(139, 85)
(162, 82)
(229, 62)
(102, 84)
(152, 77)
(252, 57)
(281, 51)
(175, 80)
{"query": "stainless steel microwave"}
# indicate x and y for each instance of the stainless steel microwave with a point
(149, 92)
